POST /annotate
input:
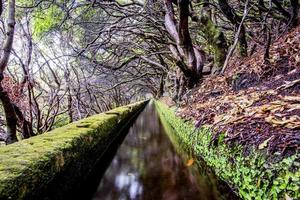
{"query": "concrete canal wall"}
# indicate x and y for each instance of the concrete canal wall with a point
(59, 159)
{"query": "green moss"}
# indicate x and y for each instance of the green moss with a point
(29, 166)
(252, 176)
(215, 41)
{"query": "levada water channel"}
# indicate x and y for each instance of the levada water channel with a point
(147, 162)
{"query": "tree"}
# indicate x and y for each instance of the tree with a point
(9, 109)
(189, 58)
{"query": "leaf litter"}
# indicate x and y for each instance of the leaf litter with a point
(253, 103)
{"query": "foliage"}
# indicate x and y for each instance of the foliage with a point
(46, 20)
(253, 176)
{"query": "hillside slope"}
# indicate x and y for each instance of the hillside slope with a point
(256, 103)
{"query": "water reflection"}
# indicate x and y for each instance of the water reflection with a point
(146, 166)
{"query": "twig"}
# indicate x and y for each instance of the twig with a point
(236, 37)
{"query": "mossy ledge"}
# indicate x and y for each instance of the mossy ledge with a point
(252, 176)
(56, 162)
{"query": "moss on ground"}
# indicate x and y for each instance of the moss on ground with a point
(252, 176)
(59, 157)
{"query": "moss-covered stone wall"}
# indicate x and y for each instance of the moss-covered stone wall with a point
(253, 175)
(34, 168)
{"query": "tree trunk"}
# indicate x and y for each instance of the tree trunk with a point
(235, 20)
(215, 39)
(10, 116)
(26, 126)
(295, 12)
(9, 38)
(161, 86)
(243, 45)
(185, 40)
(187, 56)
(70, 111)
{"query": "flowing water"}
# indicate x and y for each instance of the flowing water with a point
(148, 166)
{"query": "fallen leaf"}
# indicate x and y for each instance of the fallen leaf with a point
(189, 162)
(291, 98)
(288, 84)
(287, 197)
(130, 174)
(264, 144)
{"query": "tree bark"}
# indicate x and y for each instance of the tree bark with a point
(232, 48)
(187, 56)
(295, 12)
(161, 86)
(215, 38)
(1, 7)
(10, 117)
(10, 37)
(10, 114)
(185, 40)
(26, 127)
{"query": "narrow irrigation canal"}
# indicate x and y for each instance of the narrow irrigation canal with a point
(148, 166)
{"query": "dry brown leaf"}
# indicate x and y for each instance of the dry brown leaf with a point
(265, 143)
(287, 197)
(190, 162)
(292, 98)
(288, 84)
